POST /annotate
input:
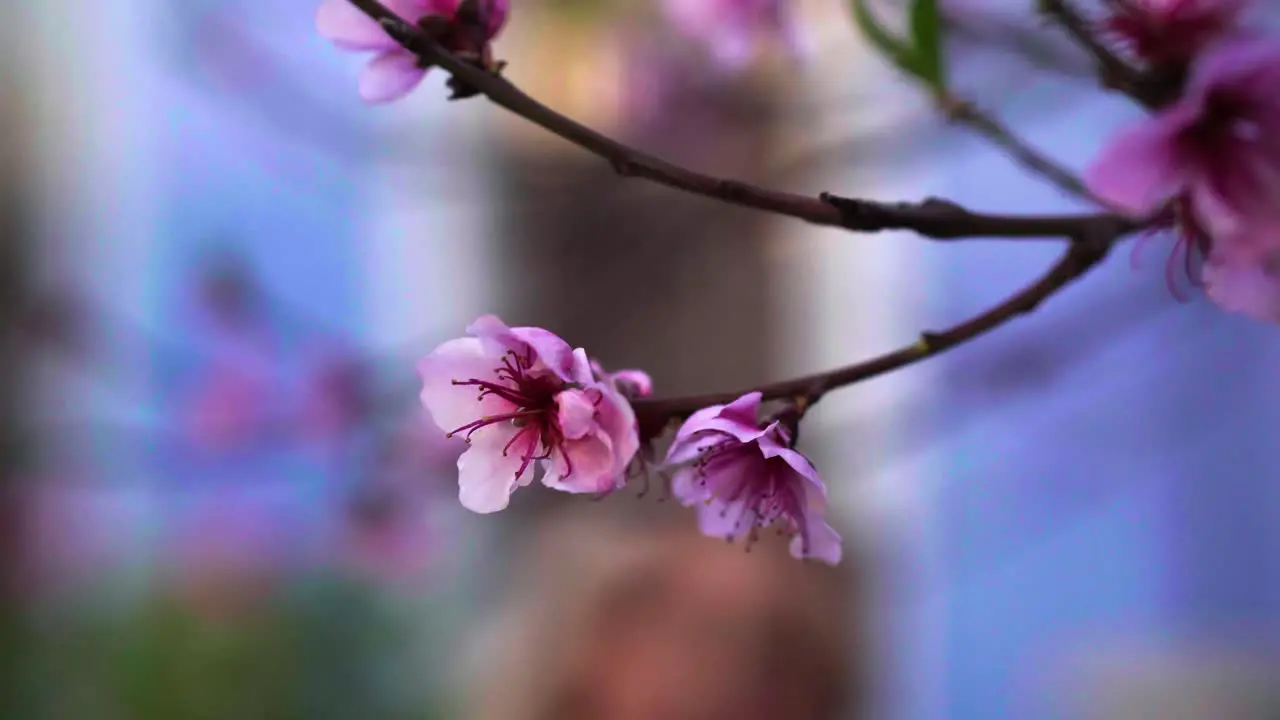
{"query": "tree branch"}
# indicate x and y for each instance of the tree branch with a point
(1080, 257)
(1091, 235)
(931, 218)
(962, 111)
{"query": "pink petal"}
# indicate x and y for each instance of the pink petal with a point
(1241, 286)
(725, 520)
(486, 476)
(618, 420)
(447, 8)
(1141, 168)
(745, 409)
(1233, 63)
(390, 76)
(687, 487)
(576, 413)
(732, 49)
(635, 383)
(591, 461)
(344, 24)
(824, 543)
(496, 16)
(453, 406)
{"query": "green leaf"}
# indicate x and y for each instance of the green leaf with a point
(896, 49)
(926, 37)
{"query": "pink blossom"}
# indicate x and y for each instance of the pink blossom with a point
(745, 478)
(1172, 31)
(1215, 156)
(394, 72)
(631, 383)
(733, 28)
(521, 397)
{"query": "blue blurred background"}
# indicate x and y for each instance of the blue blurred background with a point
(223, 500)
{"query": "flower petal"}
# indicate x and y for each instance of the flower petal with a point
(1246, 287)
(589, 468)
(576, 413)
(820, 542)
(390, 76)
(496, 12)
(452, 406)
(633, 383)
(487, 476)
(342, 23)
(1142, 167)
(725, 520)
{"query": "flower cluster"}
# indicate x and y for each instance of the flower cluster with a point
(523, 398)
(1214, 156)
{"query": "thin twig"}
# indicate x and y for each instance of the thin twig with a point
(1078, 259)
(962, 111)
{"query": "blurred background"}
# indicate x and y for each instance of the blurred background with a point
(222, 500)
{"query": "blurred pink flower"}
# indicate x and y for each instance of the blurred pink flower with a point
(387, 535)
(522, 396)
(335, 397)
(467, 29)
(228, 408)
(1172, 31)
(1214, 155)
(744, 478)
(732, 29)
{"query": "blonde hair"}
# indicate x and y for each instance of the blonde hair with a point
(589, 563)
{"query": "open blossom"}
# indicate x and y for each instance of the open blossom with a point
(464, 28)
(1172, 31)
(1214, 155)
(732, 29)
(522, 397)
(745, 478)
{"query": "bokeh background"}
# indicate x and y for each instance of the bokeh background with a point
(222, 499)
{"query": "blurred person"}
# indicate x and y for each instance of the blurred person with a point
(623, 611)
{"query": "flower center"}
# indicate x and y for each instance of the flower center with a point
(739, 475)
(533, 398)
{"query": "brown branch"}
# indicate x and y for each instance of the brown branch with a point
(962, 111)
(936, 219)
(1080, 257)
(1091, 235)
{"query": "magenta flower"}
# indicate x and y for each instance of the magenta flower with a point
(522, 397)
(732, 29)
(745, 478)
(394, 72)
(1214, 155)
(1172, 31)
